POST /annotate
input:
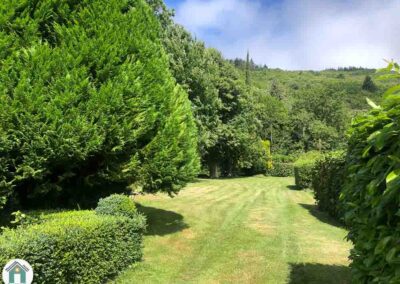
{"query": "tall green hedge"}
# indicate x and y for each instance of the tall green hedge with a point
(86, 95)
(75, 247)
(327, 182)
(303, 169)
(372, 191)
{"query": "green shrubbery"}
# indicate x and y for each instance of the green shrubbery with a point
(371, 195)
(117, 205)
(86, 97)
(282, 166)
(303, 169)
(327, 182)
(75, 247)
(281, 169)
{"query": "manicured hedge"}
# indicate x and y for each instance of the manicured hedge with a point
(372, 192)
(327, 182)
(117, 205)
(280, 169)
(282, 166)
(303, 169)
(75, 247)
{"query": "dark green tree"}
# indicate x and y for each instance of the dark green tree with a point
(87, 97)
(248, 69)
(368, 84)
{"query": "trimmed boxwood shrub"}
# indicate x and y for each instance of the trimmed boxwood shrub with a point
(280, 169)
(117, 205)
(75, 247)
(371, 195)
(327, 182)
(303, 169)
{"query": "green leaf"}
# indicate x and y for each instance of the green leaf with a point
(392, 176)
(372, 104)
(391, 255)
(382, 244)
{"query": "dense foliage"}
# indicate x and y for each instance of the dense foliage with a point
(308, 110)
(87, 96)
(228, 138)
(117, 205)
(327, 181)
(371, 195)
(75, 247)
(303, 169)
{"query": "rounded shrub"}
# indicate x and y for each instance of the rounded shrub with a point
(303, 169)
(75, 247)
(117, 205)
(371, 194)
(327, 181)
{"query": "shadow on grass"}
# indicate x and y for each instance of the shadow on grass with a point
(292, 187)
(322, 216)
(315, 273)
(162, 222)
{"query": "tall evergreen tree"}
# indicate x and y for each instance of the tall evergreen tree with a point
(87, 96)
(248, 68)
(368, 84)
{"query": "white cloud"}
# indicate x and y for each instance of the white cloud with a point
(298, 34)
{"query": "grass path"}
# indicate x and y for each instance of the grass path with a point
(248, 230)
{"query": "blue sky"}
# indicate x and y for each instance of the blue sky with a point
(297, 34)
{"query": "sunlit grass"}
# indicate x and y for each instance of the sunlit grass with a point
(249, 230)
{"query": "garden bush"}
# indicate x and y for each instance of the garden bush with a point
(117, 205)
(282, 166)
(75, 247)
(303, 169)
(371, 194)
(280, 169)
(86, 97)
(327, 181)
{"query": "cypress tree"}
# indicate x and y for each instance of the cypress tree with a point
(248, 69)
(87, 96)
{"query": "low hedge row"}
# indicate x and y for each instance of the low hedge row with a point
(280, 169)
(75, 246)
(303, 169)
(327, 181)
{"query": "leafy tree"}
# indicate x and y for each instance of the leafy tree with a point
(276, 91)
(228, 140)
(87, 97)
(319, 118)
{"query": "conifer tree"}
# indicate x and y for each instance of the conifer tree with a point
(248, 69)
(368, 84)
(87, 96)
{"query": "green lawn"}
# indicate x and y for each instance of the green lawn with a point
(247, 230)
